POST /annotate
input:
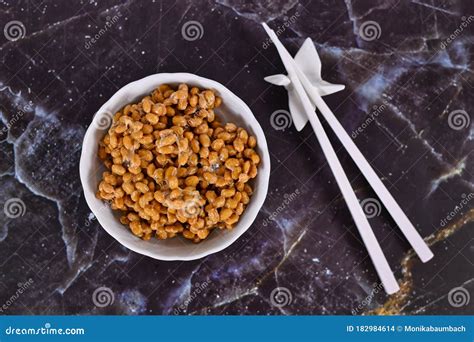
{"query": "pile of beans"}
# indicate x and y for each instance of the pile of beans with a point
(174, 168)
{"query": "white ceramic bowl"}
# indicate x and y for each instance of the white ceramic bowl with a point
(233, 109)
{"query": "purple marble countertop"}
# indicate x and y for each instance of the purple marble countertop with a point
(408, 104)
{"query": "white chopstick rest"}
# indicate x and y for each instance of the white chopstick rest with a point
(375, 252)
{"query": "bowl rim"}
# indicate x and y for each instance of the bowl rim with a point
(264, 173)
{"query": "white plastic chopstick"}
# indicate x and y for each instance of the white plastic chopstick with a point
(375, 252)
(407, 228)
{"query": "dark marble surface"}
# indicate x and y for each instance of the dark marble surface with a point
(417, 62)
